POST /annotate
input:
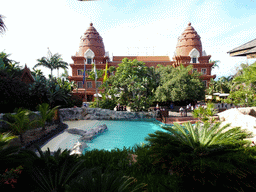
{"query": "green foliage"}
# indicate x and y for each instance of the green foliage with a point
(104, 103)
(204, 114)
(5, 139)
(244, 86)
(92, 74)
(9, 67)
(134, 83)
(46, 114)
(178, 84)
(53, 91)
(96, 180)
(21, 122)
(52, 62)
(204, 155)
(53, 171)
(222, 85)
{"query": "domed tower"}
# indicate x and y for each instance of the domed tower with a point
(91, 44)
(189, 51)
(91, 51)
(188, 41)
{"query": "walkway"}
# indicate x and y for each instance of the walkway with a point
(175, 117)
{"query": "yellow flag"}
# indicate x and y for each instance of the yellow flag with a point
(106, 73)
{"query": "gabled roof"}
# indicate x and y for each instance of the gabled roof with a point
(27, 76)
(248, 47)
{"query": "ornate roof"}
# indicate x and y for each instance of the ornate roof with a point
(188, 40)
(27, 76)
(91, 40)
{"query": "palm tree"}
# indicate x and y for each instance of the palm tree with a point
(2, 25)
(51, 62)
(59, 63)
(46, 114)
(203, 153)
(21, 122)
(52, 171)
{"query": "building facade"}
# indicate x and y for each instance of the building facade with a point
(92, 51)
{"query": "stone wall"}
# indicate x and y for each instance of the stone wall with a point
(83, 113)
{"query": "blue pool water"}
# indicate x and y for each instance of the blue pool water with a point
(123, 133)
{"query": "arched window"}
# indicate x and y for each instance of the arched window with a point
(89, 55)
(194, 54)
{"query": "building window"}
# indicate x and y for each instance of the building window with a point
(203, 71)
(89, 84)
(194, 60)
(79, 72)
(194, 70)
(98, 84)
(205, 83)
(89, 61)
(80, 84)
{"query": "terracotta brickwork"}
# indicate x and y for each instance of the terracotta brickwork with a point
(91, 50)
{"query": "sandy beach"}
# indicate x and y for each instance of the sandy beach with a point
(66, 140)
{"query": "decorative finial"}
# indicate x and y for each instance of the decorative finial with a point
(91, 24)
(189, 24)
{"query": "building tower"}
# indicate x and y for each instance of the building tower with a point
(91, 51)
(189, 51)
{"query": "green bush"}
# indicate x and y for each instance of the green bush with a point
(104, 103)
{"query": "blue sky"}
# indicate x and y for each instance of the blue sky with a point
(141, 27)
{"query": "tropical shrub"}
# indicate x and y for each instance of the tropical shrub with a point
(95, 180)
(52, 171)
(205, 114)
(205, 155)
(46, 114)
(21, 122)
(104, 103)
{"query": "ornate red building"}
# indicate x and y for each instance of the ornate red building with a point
(91, 50)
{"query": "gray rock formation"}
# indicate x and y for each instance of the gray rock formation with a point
(88, 135)
(76, 131)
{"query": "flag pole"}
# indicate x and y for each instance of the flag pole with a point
(84, 81)
(96, 76)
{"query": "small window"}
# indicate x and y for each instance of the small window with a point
(194, 60)
(79, 72)
(80, 84)
(89, 61)
(98, 84)
(89, 84)
(203, 71)
(194, 70)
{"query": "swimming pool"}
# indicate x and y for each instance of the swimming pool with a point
(123, 133)
(118, 135)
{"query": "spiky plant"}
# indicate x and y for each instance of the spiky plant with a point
(21, 122)
(204, 154)
(46, 114)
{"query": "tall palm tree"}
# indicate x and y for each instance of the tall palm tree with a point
(2, 25)
(59, 63)
(51, 62)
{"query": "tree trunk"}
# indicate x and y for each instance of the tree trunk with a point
(21, 139)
